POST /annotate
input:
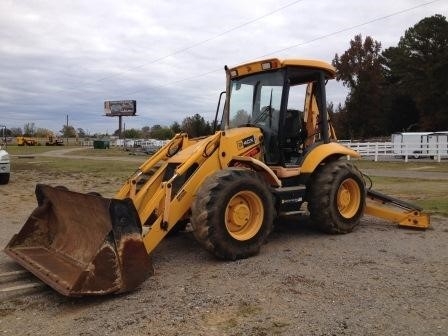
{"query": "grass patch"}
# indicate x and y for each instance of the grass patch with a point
(30, 150)
(430, 194)
(435, 205)
(67, 165)
(110, 152)
(430, 166)
(104, 177)
(79, 151)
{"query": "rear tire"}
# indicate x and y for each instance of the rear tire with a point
(233, 213)
(337, 197)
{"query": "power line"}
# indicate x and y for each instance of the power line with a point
(299, 44)
(350, 28)
(192, 46)
(261, 56)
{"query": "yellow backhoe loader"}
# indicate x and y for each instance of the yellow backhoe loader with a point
(53, 140)
(275, 149)
(26, 141)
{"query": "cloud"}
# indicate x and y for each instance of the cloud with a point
(64, 58)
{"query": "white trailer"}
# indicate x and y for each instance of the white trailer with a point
(411, 144)
(438, 144)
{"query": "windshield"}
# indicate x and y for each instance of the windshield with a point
(256, 100)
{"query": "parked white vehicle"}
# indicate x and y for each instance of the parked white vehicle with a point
(5, 166)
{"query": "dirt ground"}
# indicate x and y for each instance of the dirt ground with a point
(378, 280)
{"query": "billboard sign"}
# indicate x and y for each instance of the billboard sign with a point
(120, 108)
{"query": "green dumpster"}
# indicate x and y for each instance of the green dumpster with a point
(101, 144)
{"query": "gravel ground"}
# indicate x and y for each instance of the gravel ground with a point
(378, 280)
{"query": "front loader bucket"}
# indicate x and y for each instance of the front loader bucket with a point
(82, 244)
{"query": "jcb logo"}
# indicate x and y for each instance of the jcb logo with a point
(246, 142)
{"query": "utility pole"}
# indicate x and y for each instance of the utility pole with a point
(66, 130)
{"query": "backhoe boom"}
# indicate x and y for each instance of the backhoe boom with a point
(393, 209)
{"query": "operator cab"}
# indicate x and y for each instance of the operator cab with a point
(286, 100)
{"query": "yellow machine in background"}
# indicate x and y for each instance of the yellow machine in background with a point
(274, 153)
(53, 140)
(26, 141)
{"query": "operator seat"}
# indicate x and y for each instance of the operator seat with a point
(292, 137)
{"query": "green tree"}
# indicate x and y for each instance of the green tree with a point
(42, 132)
(338, 117)
(68, 131)
(7, 132)
(146, 131)
(161, 132)
(29, 129)
(196, 126)
(360, 69)
(132, 133)
(241, 117)
(16, 131)
(81, 133)
(155, 128)
(175, 127)
(417, 71)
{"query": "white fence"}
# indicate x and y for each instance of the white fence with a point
(388, 150)
(148, 146)
(376, 150)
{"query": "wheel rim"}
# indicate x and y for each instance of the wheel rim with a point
(244, 215)
(349, 198)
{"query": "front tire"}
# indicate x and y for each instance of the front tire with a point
(233, 213)
(337, 197)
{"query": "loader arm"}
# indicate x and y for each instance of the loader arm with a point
(177, 171)
(173, 197)
(395, 210)
(176, 144)
(172, 204)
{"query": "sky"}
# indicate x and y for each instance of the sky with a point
(60, 60)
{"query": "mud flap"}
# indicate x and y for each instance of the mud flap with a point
(82, 244)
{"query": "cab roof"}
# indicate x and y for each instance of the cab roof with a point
(275, 63)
